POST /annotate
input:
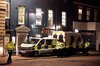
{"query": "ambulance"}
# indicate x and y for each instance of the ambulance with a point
(73, 41)
(36, 46)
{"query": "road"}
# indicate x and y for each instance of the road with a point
(47, 60)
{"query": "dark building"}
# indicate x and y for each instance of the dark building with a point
(33, 18)
(86, 14)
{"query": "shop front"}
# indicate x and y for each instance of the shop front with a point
(90, 31)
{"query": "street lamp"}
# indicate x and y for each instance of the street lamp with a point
(56, 17)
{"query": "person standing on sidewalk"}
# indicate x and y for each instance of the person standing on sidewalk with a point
(87, 44)
(9, 47)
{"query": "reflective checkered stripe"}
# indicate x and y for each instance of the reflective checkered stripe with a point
(74, 45)
(43, 47)
(67, 45)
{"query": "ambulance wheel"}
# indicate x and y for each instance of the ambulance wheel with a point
(36, 54)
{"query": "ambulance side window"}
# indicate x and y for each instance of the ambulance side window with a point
(61, 37)
(72, 38)
(49, 42)
(55, 36)
(41, 43)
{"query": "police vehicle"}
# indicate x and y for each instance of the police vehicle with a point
(73, 41)
(36, 46)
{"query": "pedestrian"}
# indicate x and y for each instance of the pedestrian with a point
(87, 44)
(9, 47)
(60, 46)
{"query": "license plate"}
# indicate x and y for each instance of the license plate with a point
(23, 51)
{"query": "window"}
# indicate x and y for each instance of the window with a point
(50, 17)
(38, 16)
(21, 15)
(88, 15)
(54, 36)
(31, 41)
(95, 15)
(41, 42)
(80, 13)
(7, 16)
(61, 37)
(64, 18)
(49, 42)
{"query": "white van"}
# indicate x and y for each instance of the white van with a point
(36, 46)
(73, 41)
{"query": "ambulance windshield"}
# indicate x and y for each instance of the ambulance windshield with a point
(31, 41)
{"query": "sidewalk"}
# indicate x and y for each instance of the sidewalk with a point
(14, 57)
(93, 52)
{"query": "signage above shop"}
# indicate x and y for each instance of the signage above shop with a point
(45, 30)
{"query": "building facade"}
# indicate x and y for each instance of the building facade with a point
(39, 18)
(86, 16)
(2, 24)
(36, 18)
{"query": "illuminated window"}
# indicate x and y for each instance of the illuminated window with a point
(7, 15)
(80, 14)
(64, 18)
(95, 15)
(50, 17)
(21, 15)
(88, 15)
(38, 16)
